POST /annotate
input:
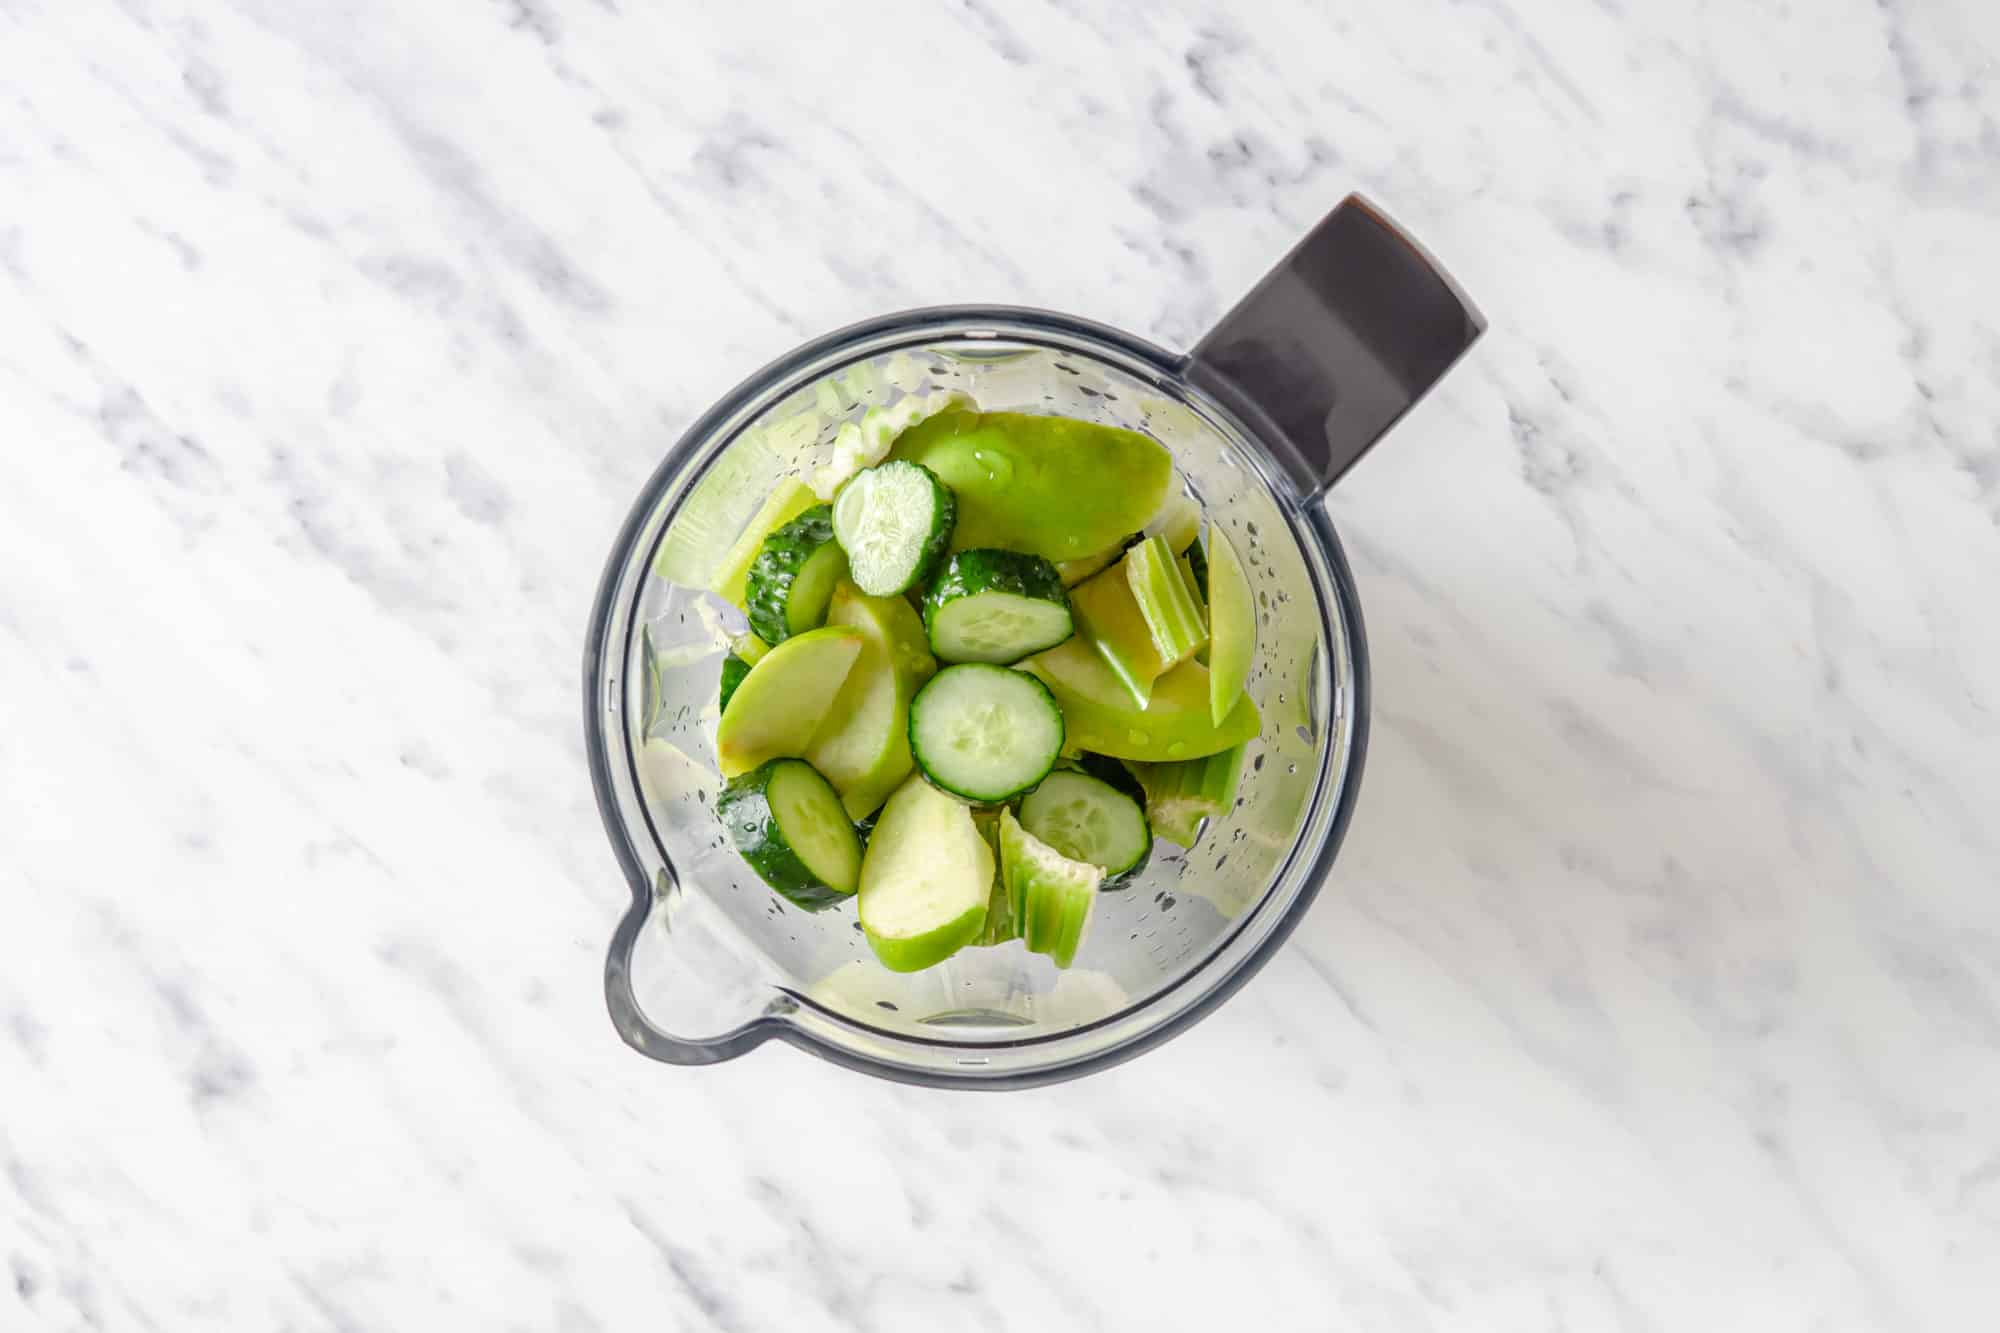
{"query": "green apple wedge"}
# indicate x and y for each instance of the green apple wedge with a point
(925, 879)
(776, 708)
(1047, 486)
(1051, 895)
(1232, 627)
(863, 746)
(1100, 716)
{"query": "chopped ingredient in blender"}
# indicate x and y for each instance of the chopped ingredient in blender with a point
(1050, 894)
(863, 745)
(1180, 796)
(996, 606)
(893, 521)
(1233, 616)
(783, 505)
(1172, 613)
(1073, 618)
(792, 578)
(925, 879)
(1088, 819)
(1047, 486)
(985, 733)
(778, 707)
(788, 824)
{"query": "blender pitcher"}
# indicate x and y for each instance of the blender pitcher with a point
(1274, 404)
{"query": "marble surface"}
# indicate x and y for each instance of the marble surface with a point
(1658, 987)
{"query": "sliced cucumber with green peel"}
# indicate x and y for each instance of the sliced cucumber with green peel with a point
(1108, 618)
(1232, 618)
(793, 577)
(985, 733)
(783, 505)
(996, 606)
(1180, 796)
(925, 880)
(787, 822)
(1050, 486)
(780, 704)
(893, 521)
(1088, 819)
(1167, 604)
(1098, 713)
(1051, 894)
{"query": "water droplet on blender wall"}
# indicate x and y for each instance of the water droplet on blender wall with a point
(1291, 768)
(1257, 764)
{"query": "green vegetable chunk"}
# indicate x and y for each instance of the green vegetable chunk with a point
(1232, 615)
(1180, 796)
(787, 823)
(1166, 603)
(793, 577)
(996, 606)
(1048, 486)
(780, 704)
(1099, 714)
(1050, 894)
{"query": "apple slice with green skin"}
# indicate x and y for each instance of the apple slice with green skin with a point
(1051, 895)
(925, 879)
(1100, 717)
(863, 746)
(1048, 486)
(777, 708)
(783, 505)
(1232, 626)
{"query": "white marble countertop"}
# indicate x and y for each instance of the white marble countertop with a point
(1658, 987)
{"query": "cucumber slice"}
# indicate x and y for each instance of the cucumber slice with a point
(996, 606)
(1232, 615)
(1088, 819)
(778, 707)
(1049, 486)
(783, 505)
(1098, 713)
(1108, 615)
(863, 746)
(787, 822)
(985, 733)
(893, 521)
(1051, 895)
(792, 578)
(1180, 796)
(1166, 603)
(925, 879)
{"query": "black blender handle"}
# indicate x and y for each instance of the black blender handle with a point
(1336, 343)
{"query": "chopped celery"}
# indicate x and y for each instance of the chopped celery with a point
(1180, 795)
(1167, 603)
(1108, 617)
